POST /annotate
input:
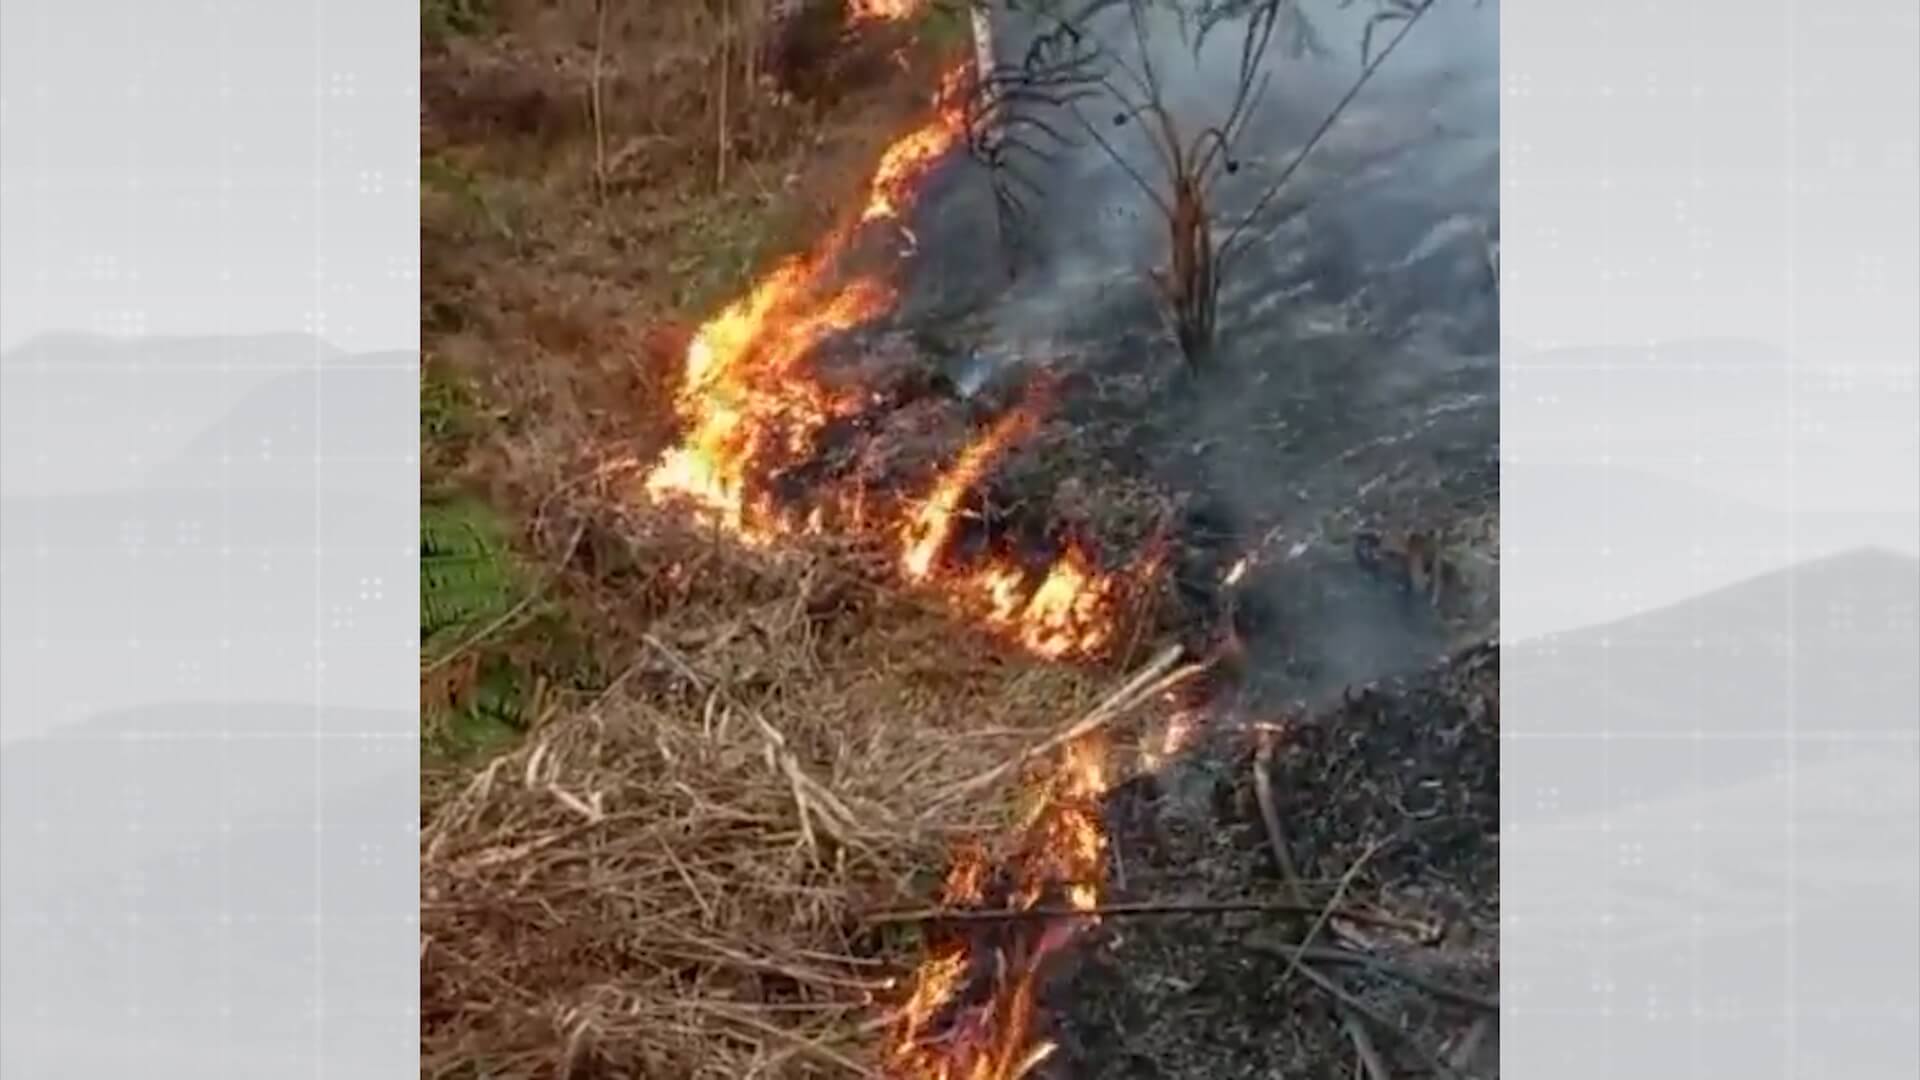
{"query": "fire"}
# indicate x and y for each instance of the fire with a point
(948, 1032)
(1181, 727)
(749, 405)
(1237, 571)
(1074, 846)
(1064, 853)
(884, 10)
(907, 160)
(739, 389)
(1068, 614)
(929, 532)
(743, 381)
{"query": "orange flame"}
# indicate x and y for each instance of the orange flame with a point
(749, 404)
(1065, 849)
(905, 161)
(928, 533)
(1064, 852)
(884, 10)
(739, 390)
(742, 380)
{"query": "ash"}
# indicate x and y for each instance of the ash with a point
(1329, 487)
(1351, 404)
(1410, 764)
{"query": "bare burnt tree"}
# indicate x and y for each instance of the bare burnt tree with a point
(1401, 16)
(1068, 67)
(1017, 114)
(1192, 166)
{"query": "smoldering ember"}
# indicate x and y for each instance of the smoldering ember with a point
(1046, 623)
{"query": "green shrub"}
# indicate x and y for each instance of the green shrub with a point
(443, 19)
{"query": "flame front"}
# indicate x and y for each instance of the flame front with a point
(1063, 854)
(884, 10)
(740, 389)
(744, 380)
(750, 405)
(928, 533)
(907, 160)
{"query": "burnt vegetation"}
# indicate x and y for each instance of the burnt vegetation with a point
(1080, 80)
(695, 769)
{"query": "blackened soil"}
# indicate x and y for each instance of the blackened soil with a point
(1410, 764)
(1351, 404)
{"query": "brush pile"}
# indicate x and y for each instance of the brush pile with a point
(664, 882)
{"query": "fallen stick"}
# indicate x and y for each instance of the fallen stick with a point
(1326, 912)
(1157, 677)
(1354, 1007)
(1370, 1057)
(1269, 814)
(1139, 910)
(1380, 965)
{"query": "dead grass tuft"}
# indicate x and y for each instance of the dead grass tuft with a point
(665, 880)
(662, 878)
(555, 246)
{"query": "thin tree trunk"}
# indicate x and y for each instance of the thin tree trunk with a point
(753, 31)
(597, 101)
(983, 65)
(985, 58)
(726, 80)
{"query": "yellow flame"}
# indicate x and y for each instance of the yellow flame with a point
(928, 534)
(884, 10)
(1238, 570)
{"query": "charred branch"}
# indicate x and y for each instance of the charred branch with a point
(1068, 69)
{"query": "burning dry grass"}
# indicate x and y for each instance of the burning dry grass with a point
(561, 256)
(665, 881)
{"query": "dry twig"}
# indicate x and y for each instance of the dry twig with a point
(1139, 910)
(1269, 815)
(1319, 923)
(1157, 677)
(1380, 965)
(1363, 1045)
(1353, 1007)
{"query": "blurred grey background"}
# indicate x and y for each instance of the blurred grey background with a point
(208, 306)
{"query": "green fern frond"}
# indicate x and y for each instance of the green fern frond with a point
(466, 572)
(492, 717)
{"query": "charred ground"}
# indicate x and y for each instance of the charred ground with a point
(1397, 785)
(1320, 507)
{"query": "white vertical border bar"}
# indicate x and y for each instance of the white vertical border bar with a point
(1711, 451)
(209, 327)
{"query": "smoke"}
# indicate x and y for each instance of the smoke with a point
(1089, 230)
(1364, 282)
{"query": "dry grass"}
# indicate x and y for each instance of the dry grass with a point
(563, 256)
(666, 881)
(663, 879)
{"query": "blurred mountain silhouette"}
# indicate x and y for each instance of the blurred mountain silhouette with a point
(1711, 815)
(81, 412)
(135, 889)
